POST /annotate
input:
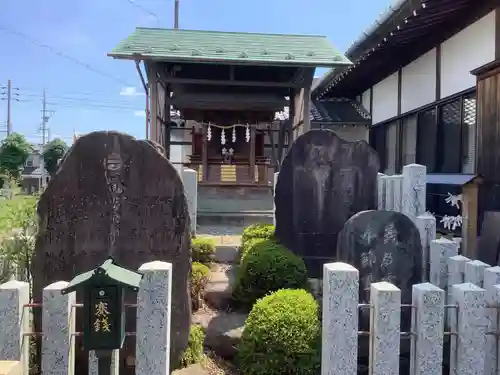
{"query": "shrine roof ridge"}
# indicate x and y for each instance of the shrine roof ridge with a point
(200, 46)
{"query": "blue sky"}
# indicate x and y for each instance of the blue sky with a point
(91, 97)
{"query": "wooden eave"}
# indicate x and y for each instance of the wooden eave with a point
(411, 33)
(487, 70)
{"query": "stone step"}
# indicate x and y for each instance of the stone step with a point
(227, 254)
(223, 330)
(239, 219)
(220, 285)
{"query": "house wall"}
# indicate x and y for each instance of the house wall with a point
(385, 99)
(468, 49)
(366, 100)
(418, 82)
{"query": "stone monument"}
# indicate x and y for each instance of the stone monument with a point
(383, 246)
(116, 196)
(323, 181)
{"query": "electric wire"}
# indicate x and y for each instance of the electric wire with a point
(63, 55)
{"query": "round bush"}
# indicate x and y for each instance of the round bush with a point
(202, 249)
(244, 249)
(281, 336)
(199, 279)
(194, 350)
(268, 266)
(257, 231)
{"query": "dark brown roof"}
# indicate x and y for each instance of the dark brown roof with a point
(407, 32)
(339, 110)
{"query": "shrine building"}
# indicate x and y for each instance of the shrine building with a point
(228, 104)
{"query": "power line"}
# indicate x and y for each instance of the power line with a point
(70, 99)
(83, 105)
(144, 9)
(63, 55)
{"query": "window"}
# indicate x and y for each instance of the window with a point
(449, 138)
(377, 141)
(391, 140)
(427, 139)
(409, 140)
(449, 144)
(469, 134)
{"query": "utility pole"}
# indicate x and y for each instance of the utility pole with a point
(45, 118)
(9, 98)
(176, 15)
(44, 129)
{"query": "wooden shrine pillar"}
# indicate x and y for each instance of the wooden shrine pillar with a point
(470, 217)
(204, 154)
(488, 135)
(252, 150)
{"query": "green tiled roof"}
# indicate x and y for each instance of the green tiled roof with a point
(229, 47)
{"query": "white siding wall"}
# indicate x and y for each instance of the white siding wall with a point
(470, 48)
(385, 99)
(365, 100)
(418, 82)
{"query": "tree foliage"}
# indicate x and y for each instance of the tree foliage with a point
(18, 229)
(14, 151)
(53, 151)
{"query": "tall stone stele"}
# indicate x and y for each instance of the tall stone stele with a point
(322, 182)
(113, 195)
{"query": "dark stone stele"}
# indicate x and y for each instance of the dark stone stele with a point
(383, 246)
(323, 181)
(113, 195)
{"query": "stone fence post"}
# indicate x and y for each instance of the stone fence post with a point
(14, 322)
(428, 326)
(381, 192)
(440, 251)
(154, 306)
(339, 353)
(456, 267)
(491, 281)
(414, 190)
(190, 182)
(467, 349)
(426, 224)
(385, 319)
(58, 326)
(474, 272)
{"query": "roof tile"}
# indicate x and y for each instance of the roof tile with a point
(236, 47)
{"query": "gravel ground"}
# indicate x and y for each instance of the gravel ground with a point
(217, 366)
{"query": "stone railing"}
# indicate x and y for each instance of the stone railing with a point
(59, 328)
(465, 309)
(461, 302)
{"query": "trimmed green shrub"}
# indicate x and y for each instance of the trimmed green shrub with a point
(194, 351)
(257, 231)
(248, 245)
(268, 266)
(202, 248)
(199, 279)
(282, 336)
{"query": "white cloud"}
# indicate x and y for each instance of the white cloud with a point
(130, 91)
(140, 113)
